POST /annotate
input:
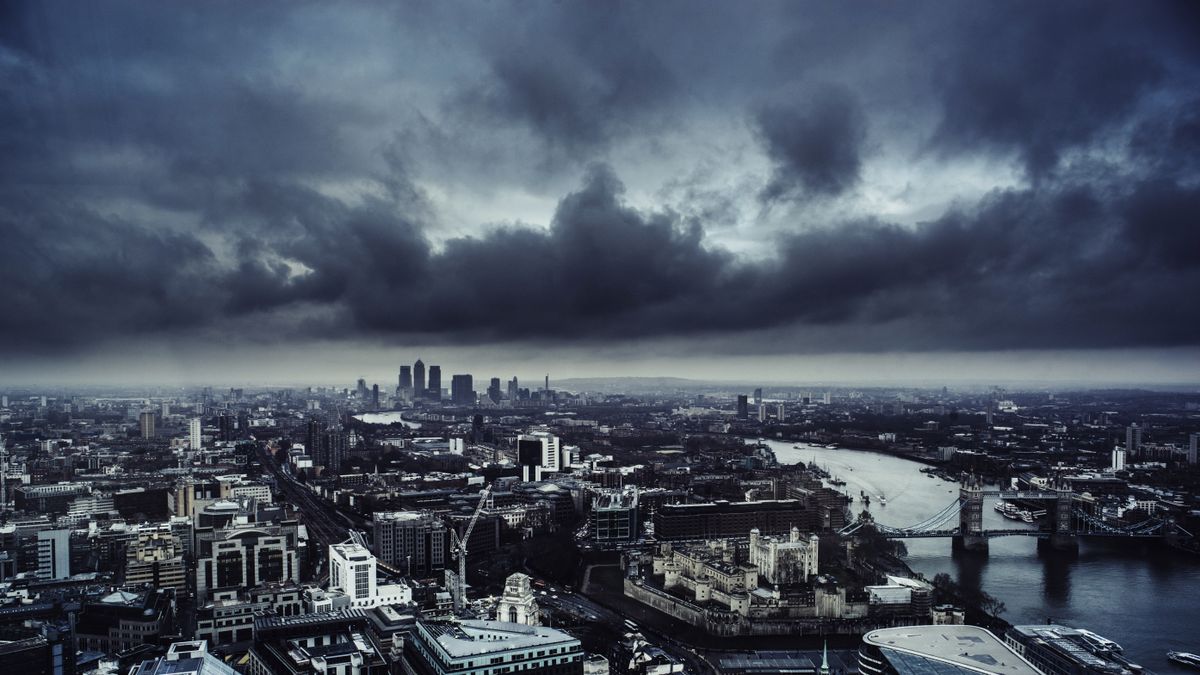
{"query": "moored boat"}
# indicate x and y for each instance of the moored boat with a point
(1185, 658)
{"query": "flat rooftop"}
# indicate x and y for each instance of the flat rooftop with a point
(970, 648)
(472, 638)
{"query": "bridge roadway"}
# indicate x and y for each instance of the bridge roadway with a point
(1041, 534)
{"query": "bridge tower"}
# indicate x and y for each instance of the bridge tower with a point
(1063, 537)
(970, 535)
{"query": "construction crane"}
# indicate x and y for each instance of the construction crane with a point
(458, 548)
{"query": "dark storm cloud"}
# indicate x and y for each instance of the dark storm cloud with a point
(1055, 80)
(815, 140)
(190, 173)
(574, 76)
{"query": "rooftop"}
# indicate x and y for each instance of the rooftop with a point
(472, 638)
(970, 648)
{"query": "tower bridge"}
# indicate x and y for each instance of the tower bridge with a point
(1070, 518)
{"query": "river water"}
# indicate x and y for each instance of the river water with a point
(386, 418)
(1145, 597)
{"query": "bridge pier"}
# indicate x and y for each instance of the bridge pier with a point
(1066, 543)
(970, 537)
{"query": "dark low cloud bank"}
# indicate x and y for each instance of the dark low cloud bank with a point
(1067, 268)
(157, 181)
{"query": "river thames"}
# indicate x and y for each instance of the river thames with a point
(1145, 597)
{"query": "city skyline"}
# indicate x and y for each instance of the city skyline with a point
(581, 184)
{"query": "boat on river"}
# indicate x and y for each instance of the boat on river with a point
(1185, 658)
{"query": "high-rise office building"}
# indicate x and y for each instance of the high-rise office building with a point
(493, 391)
(406, 381)
(762, 412)
(462, 390)
(435, 383)
(54, 554)
(375, 397)
(538, 452)
(194, 438)
(333, 449)
(514, 391)
(361, 388)
(1118, 459)
(743, 407)
(758, 396)
(414, 542)
(225, 430)
(352, 571)
(146, 421)
(1193, 448)
(419, 379)
(1133, 440)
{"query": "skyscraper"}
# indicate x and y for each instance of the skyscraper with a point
(1133, 440)
(405, 379)
(194, 438)
(435, 383)
(419, 379)
(146, 421)
(743, 407)
(493, 391)
(361, 388)
(375, 397)
(758, 396)
(514, 392)
(1193, 447)
(462, 390)
(312, 440)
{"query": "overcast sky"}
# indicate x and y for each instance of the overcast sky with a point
(795, 190)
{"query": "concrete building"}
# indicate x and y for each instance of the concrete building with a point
(155, 558)
(328, 643)
(517, 604)
(414, 542)
(780, 560)
(122, 620)
(146, 424)
(245, 556)
(718, 519)
(352, 571)
(1133, 440)
(613, 517)
(1118, 460)
(945, 649)
(54, 554)
(538, 453)
(184, 658)
(470, 647)
(194, 438)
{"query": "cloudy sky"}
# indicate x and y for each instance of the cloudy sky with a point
(792, 190)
